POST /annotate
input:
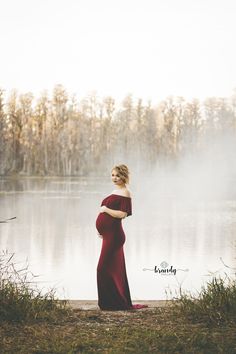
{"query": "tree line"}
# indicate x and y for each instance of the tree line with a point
(65, 136)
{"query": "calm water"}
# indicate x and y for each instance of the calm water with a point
(55, 231)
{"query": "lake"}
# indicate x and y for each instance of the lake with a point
(171, 241)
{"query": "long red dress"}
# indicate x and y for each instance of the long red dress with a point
(112, 282)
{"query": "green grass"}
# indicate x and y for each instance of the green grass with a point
(93, 331)
(32, 323)
(20, 298)
(215, 305)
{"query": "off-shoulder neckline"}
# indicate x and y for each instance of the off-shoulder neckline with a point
(120, 195)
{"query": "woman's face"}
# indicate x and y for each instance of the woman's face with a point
(116, 179)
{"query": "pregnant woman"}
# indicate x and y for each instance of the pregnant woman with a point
(112, 282)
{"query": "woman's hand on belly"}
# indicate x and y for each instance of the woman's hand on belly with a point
(103, 209)
(99, 235)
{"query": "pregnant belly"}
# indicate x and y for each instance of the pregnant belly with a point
(105, 223)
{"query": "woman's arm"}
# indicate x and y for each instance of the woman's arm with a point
(115, 213)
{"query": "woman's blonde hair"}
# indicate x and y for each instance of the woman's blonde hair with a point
(123, 172)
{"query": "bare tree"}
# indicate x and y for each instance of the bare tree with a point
(64, 136)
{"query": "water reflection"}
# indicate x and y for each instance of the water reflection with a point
(55, 230)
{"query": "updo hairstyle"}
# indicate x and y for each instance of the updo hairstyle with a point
(123, 171)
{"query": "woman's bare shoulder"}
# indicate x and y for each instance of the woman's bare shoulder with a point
(127, 193)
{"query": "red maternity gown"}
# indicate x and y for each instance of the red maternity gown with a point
(112, 282)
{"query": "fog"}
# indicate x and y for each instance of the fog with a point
(184, 214)
(207, 174)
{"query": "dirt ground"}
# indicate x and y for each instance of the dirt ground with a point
(93, 304)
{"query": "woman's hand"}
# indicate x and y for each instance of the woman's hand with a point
(103, 209)
(99, 235)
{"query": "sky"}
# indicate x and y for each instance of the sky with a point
(149, 48)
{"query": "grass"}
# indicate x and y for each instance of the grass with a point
(20, 298)
(40, 324)
(215, 304)
(91, 331)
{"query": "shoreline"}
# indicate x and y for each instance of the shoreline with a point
(93, 304)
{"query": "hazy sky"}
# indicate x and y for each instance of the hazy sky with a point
(152, 48)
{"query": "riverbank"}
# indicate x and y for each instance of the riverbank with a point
(150, 330)
(32, 323)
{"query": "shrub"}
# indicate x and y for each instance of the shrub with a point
(20, 298)
(216, 303)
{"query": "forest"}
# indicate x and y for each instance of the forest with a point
(63, 135)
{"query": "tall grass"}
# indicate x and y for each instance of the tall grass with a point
(215, 304)
(20, 298)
